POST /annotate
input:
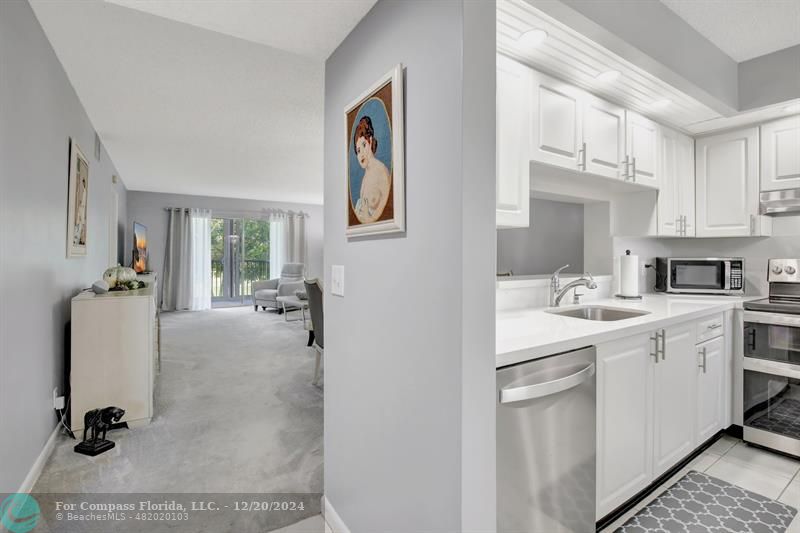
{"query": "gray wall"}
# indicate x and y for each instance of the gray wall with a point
(148, 208)
(409, 349)
(40, 112)
(554, 239)
(770, 78)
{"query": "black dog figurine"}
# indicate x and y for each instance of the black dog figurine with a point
(95, 425)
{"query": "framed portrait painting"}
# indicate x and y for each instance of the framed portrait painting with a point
(78, 210)
(375, 158)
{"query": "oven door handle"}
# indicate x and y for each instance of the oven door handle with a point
(776, 319)
(771, 367)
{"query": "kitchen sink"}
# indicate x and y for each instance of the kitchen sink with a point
(598, 312)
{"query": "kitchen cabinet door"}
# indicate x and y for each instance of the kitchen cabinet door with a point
(710, 388)
(603, 138)
(727, 185)
(641, 140)
(780, 154)
(674, 392)
(557, 122)
(624, 421)
(513, 126)
(676, 190)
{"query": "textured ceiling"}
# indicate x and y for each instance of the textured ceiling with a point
(743, 29)
(186, 110)
(312, 28)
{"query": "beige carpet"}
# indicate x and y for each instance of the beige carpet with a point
(235, 413)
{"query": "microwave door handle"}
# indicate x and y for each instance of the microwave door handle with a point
(726, 282)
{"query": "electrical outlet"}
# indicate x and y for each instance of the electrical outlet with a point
(58, 401)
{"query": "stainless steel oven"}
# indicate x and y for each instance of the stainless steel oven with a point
(696, 275)
(771, 385)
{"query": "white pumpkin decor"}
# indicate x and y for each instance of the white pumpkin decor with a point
(118, 274)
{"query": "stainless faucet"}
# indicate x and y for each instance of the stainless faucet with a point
(557, 292)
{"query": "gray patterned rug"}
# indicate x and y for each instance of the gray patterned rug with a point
(699, 503)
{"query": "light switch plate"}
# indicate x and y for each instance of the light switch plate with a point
(337, 280)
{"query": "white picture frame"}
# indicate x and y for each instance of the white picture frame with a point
(78, 202)
(372, 208)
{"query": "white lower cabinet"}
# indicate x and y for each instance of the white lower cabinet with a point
(655, 405)
(624, 420)
(710, 388)
(673, 396)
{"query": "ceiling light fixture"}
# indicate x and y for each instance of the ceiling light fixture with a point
(660, 104)
(608, 76)
(794, 108)
(532, 38)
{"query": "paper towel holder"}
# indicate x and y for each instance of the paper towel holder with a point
(624, 297)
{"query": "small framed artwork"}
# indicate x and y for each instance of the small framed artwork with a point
(375, 158)
(78, 211)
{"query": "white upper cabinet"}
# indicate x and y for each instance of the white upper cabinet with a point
(641, 143)
(780, 154)
(512, 159)
(603, 148)
(557, 122)
(676, 194)
(727, 185)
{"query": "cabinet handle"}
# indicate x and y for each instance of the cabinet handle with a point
(582, 157)
(654, 352)
(633, 174)
(752, 224)
(626, 164)
(683, 225)
(703, 355)
(663, 344)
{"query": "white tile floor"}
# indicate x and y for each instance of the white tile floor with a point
(757, 470)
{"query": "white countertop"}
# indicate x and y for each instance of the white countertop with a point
(526, 334)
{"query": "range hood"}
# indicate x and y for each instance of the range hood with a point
(785, 202)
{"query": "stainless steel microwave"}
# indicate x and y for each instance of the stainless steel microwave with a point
(696, 275)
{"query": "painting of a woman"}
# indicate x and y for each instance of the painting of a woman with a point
(376, 202)
(78, 202)
(376, 181)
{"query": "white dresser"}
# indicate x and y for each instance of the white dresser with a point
(114, 353)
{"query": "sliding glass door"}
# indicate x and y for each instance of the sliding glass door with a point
(239, 256)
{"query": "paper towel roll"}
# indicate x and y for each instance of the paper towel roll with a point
(629, 275)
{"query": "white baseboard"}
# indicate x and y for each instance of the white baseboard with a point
(333, 519)
(38, 465)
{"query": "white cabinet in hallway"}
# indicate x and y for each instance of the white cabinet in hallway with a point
(556, 122)
(603, 147)
(674, 369)
(676, 194)
(624, 420)
(727, 185)
(780, 154)
(641, 142)
(513, 129)
(710, 388)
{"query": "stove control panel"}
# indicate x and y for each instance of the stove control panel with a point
(784, 270)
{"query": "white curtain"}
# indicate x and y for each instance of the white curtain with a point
(187, 264)
(201, 259)
(287, 241)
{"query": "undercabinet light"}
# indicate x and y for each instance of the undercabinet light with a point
(532, 38)
(608, 76)
(794, 108)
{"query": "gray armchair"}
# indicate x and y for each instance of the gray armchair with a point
(265, 293)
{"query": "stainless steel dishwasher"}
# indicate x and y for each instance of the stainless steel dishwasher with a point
(546, 444)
